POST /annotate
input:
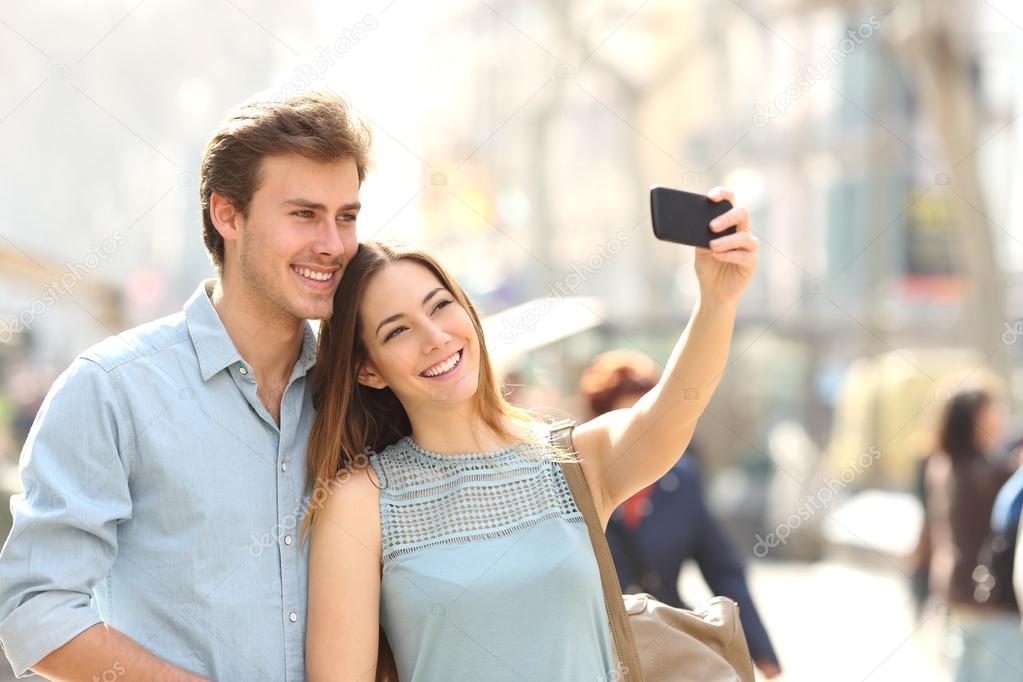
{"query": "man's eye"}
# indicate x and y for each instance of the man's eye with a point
(347, 218)
(303, 214)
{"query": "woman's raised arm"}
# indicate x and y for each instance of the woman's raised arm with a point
(625, 450)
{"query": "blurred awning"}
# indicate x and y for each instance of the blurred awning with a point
(512, 333)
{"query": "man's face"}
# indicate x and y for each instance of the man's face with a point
(298, 234)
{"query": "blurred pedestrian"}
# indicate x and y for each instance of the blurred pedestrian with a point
(1017, 570)
(960, 481)
(993, 575)
(656, 530)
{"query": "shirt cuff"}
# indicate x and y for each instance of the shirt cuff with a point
(42, 625)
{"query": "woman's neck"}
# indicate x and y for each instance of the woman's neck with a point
(455, 430)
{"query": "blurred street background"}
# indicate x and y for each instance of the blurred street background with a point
(877, 144)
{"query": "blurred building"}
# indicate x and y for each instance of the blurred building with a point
(816, 113)
(519, 141)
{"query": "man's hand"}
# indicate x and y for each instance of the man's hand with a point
(100, 649)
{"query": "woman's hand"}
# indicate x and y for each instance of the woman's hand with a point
(725, 269)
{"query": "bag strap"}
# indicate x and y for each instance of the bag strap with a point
(621, 632)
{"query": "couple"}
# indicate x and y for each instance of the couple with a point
(184, 477)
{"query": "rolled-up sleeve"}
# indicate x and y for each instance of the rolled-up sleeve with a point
(75, 470)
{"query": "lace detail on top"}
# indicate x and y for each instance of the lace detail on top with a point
(428, 499)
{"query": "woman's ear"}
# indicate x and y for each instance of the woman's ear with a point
(368, 376)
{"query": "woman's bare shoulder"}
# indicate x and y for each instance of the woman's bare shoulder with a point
(351, 505)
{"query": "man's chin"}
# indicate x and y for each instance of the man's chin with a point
(314, 310)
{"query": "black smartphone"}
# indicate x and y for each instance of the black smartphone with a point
(684, 217)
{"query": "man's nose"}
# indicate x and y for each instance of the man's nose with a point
(329, 242)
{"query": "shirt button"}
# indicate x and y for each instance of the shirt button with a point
(284, 466)
(287, 539)
(242, 370)
(293, 617)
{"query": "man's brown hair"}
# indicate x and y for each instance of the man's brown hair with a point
(317, 125)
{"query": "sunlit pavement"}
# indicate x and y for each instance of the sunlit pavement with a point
(840, 622)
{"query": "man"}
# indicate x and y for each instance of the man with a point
(165, 473)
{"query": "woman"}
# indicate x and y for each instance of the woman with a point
(656, 530)
(960, 481)
(461, 540)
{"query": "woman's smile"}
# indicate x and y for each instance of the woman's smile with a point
(446, 368)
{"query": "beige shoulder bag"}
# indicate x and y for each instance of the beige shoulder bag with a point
(656, 642)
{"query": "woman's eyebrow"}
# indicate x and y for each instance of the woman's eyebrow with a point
(430, 295)
(398, 316)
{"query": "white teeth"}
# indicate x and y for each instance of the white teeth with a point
(445, 366)
(318, 276)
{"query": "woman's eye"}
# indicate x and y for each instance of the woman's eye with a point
(442, 304)
(394, 332)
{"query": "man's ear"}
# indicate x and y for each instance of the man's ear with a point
(368, 376)
(226, 218)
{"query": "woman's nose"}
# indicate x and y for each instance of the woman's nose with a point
(435, 337)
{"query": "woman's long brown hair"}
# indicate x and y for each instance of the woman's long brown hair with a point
(353, 421)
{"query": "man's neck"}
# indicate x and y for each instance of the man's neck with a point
(270, 343)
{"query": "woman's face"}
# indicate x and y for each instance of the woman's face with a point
(988, 423)
(420, 342)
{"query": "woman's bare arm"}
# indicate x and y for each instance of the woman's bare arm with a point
(342, 630)
(625, 450)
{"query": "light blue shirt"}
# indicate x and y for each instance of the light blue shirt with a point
(162, 498)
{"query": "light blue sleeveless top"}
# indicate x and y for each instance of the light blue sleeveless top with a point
(488, 571)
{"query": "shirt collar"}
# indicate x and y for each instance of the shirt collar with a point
(214, 347)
